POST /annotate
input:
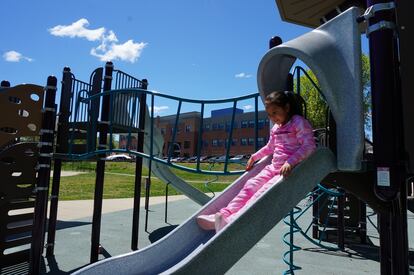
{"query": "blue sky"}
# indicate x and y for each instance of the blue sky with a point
(205, 49)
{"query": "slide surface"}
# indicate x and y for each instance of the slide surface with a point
(162, 171)
(191, 250)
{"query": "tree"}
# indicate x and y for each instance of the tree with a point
(316, 108)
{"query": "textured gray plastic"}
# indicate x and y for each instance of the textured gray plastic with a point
(333, 53)
(162, 171)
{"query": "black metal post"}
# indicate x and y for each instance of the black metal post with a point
(384, 228)
(147, 195)
(291, 232)
(275, 41)
(315, 214)
(340, 221)
(166, 203)
(363, 222)
(100, 167)
(389, 155)
(61, 146)
(42, 186)
(93, 112)
(138, 167)
(5, 84)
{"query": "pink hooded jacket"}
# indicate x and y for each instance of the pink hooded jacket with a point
(291, 142)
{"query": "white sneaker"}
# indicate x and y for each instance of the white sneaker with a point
(206, 222)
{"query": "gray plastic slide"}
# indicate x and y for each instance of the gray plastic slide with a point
(191, 250)
(163, 172)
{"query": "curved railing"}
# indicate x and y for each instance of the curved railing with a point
(292, 220)
(124, 112)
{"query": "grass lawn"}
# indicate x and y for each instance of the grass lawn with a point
(82, 186)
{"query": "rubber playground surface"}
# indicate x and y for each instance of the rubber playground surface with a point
(72, 248)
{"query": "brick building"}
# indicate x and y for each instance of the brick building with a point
(215, 133)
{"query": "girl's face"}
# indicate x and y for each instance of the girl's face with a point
(277, 114)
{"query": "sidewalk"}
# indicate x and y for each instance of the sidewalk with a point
(72, 210)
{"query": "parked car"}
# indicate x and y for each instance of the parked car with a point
(205, 158)
(237, 159)
(178, 159)
(119, 157)
(192, 159)
(218, 158)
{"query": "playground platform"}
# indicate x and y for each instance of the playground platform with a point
(72, 250)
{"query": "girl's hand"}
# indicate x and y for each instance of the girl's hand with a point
(250, 164)
(285, 169)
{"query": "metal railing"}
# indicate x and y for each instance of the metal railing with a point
(123, 117)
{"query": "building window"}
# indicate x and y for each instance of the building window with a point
(188, 128)
(244, 124)
(266, 121)
(205, 143)
(234, 142)
(243, 141)
(215, 126)
(220, 143)
(251, 141)
(251, 123)
(221, 125)
(214, 143)
(228, 124)
(187, 144)
(261, 123)
(207, 127)
(162, 131)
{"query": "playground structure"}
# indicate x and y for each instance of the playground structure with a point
(342, 164)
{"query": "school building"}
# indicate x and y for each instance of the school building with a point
(215, 133)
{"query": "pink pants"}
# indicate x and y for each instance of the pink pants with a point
(251, 190)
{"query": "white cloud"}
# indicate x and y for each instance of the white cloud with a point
(77, 29)
(159, 109)
(109, 49)
(248, 107)
(242, 75)
(13, 56)
(129, 51)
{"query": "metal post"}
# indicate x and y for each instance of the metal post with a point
(340, 221)
(275, 41)
(315, 214)
(5, 84)
(138, 167)
(292, 222)
(100, 167)
(61, 147)
(389, 155)
(166, 203)
(363, 222)
(42, 186)
(384, 228)
(147, 195)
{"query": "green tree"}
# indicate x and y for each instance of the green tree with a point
(316, 108)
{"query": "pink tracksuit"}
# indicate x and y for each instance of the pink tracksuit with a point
(291, 142)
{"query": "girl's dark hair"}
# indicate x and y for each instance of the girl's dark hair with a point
(281, 99)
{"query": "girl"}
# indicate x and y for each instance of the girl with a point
(291, 140)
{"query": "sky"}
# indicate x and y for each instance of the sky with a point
(204, 49)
